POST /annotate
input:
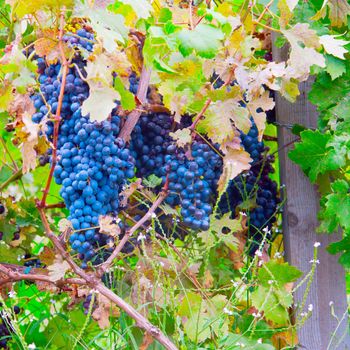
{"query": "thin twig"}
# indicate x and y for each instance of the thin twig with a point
(8, 152)
(106, 265)
(65, 64)
(17, 175)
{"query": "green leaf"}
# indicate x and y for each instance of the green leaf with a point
(152, 181)
(274, 303)
(281, 273)
(127, 99)
(109, 27)
(313, 155)
(337, 206)
(335, 66)
(238, 341)
(142, 8)
(204, 39)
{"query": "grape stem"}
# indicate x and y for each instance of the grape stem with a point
(57, 118)
(107, 264)
(141, 94)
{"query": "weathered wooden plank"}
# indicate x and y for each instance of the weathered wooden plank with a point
(299, 224)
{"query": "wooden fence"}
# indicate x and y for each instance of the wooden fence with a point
(322, 331)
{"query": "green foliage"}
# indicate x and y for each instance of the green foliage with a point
(204, 291)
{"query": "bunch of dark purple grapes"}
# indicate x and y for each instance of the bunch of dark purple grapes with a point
(6, 329)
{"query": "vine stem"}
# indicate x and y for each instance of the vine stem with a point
(106, 265)
(141, 94)
(15, 275)
(57, 118)
(94, 282)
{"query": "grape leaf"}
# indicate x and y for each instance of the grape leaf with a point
(334, 46)
(28, 146)
(141, 7)
(314, 156)
(182, 137)
(204, 39)
(109, 27)
(281, 273)
(303, 57)
(58, 269)
(337, 206)
(273, 302)
(235, 161)
(217, 123)
(338, 12)
(100, 102)
(335, 66)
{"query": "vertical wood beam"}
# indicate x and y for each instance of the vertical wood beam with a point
(322, 331)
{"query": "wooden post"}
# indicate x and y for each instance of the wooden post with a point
(322, 331)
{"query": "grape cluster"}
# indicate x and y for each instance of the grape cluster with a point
(80, 39)
(252, 144)
(254, 185)
(93, 166)
(93, 163)
(150, 139)
(46, 102)
(192, 182)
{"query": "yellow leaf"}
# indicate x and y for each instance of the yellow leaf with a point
(235, 161)
(28, 145)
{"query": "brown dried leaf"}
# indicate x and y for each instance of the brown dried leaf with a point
(129, 190)
(147, 341)
(105, 309)
(47, 256)
(58, 269)
(20, 105)
(237, 256)
(208, 281)
(109, 225)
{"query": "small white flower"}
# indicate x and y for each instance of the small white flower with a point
(12, 294)
(161, 263)
(258, 253)
(303, 314)
(242, 213)
(241, 345)
(149, 229)
(313, 261)
(256, 314)
(260, 263)
(235, 283)
(259, 341)
(227, 311)
(141, 237)
(277, 255)
(52, 301)
(283, 186)
(110, 244)
(153, 215)
(277, 230)
(310, 307)
(317, 244)
(266, 230)
(118, 220)
(32, 346)
(331, 303)
(270, 282)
